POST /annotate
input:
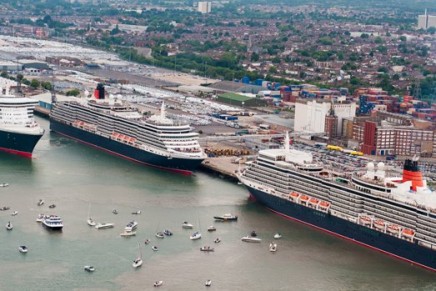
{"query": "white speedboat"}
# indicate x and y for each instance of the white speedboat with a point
(154, 248)
(273, 247)
(277, 236)
(128, 233)
(89, 269)
(14, 213)
(211, 228)
(90, 221)
(167, 232)
(9, 226)
(104, 225)
(251, 239)
(226, 217)
(53, 222)
(40, 218)
(208, 283)
(158, 283)
(131, 226)
(23, 249)
(138, 261)
(217, 240)
(160, 235)
(4, 185)
(40, 202)
(195, 235)
(187, 225)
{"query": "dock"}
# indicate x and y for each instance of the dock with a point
(222, 166)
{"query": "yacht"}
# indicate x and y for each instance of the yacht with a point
(158, 283)
(104, 225)
(195, 236)
(128, 233)
(187, 225)
(251, 239)
(131, 226)
(167, 232)
(211, 228)
(226, 217)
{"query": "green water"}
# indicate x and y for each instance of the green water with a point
(74, 176)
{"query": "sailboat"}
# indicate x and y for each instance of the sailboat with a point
(138, 261)
(9, 226)
(90, 221)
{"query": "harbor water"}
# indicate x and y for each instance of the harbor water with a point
(81, 180)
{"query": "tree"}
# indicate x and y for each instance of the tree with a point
(35, 84)
(254, 57)
(364, 35)
(46, 85)
(73, 92)
(403, 38)
(4, 74)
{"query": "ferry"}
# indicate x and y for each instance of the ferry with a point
(376, 207)
(53, 222)
(117, 127)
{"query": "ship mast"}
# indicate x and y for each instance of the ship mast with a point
(287, 141)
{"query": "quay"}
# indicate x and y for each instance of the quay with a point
(222, 166)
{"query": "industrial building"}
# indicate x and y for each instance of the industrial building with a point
(426, 21)
(310, 114)
(204, 6)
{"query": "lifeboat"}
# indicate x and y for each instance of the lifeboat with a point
(294, 195)
(313, 201)
(364, 219)
(380, 224)
(394, 228)
(407, 232)
(324, 204)
(304, 198)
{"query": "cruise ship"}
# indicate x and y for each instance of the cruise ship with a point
(389, 211)
(121, 129)
(19, 132)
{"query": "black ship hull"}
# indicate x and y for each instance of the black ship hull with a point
(183, 166)
(18, 143)
(359, 234)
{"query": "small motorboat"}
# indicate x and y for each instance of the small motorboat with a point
(131, 226)
(104, 225)
(115, 211)
(14, 213)
(23, 249)
(277, 236)
(147, 241)
(226, 217)
(273, 247)
(207, 249)
(40, 202)
(136, 212)
(128, 233)
(4, 208)
(208, 283)
(137, 263)
(251, 239)
(89, 269)
(160, 234)
(90, 221)
(211, 228)
(4, 185)
(253, 234)
(195, 235)
(187, 225)
(52, 206)
(158, 283)
(154, 248)
(217, 240)
(40, 218)
(9, 226)
(167, 232)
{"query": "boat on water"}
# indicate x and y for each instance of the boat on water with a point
(128, 233)
(208, 283)
(154, 248)
(273, 247)
(207, 249)
(138, 261)
(277, 236)
(158, 283)
(103, 225)
(52, 206)
(115, 211)
(19, 132)
(40, 217)
(147, 241)
(357, 206)
(226, 217)
(4, 184)
(40, 202)
(160, 234)
(90, 221)
(89, 269)
(131, 226)
(23, 249)
(195, 236)
(120, 128)
(187, 225)
(53, 222)
(167, 232)
(14, 213)
(137, 212)
(211, 228)
(251, 239)
(4, 208)
(217, 240)
(253, 233)
(9, 226)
